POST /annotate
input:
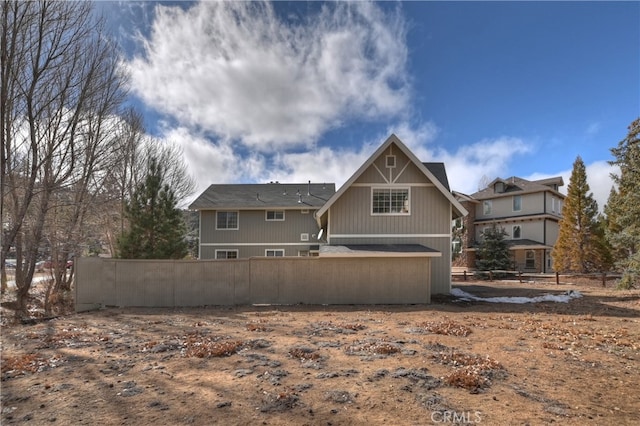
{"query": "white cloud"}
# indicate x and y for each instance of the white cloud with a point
(487, 158)
(239, 71)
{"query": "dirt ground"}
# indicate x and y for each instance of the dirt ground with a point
(450, 362)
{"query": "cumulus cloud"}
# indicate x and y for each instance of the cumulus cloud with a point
(241, 72)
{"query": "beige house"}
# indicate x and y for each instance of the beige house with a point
(394, 206)
(528, 211)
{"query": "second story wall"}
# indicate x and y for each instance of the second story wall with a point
(253, 227)
(429, 213)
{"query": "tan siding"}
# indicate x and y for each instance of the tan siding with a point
(253, 228)
(430, 214)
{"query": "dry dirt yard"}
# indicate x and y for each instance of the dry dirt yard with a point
(450, 362)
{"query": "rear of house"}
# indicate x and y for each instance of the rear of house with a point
(397, 206)
(248, 220)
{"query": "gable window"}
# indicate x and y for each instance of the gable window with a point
(487, 207)
(390, 201)
(226, 254)
(226, 220)
(516, 232)
(391, 161)
(274, 252)
(517, 203)
(273, 215)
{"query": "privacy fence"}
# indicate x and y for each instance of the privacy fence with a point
(286, 281)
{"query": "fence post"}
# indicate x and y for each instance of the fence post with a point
(520, 276)
(490, 275)
(604, 279)
(557, 278)
(465, 274)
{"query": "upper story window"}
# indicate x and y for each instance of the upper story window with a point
(516, 232)
(487, 207)
(275, 215)
(226, 220)
(390, 201)
(517, 203)
(390, 161)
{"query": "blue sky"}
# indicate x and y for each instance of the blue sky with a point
(297, 91)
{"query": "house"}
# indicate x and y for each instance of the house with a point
(528, 211)
(394, 206)
(272, 219)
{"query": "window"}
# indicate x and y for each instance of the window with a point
(487, 207)
(303, 253)
(553, 204)
(516, 232)
(391, 161)
(227, 220)
(517, 203)
(274, 253)
(390, 201)
(304, 236)
(226, 254)
(530, 260)
(275, 215)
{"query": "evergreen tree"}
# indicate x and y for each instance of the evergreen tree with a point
(493, 252)
(623, 208)
(156, 226)
(580, 246)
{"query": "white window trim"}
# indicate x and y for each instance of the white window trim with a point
(513, 202)
(486, 203)
(513, 232)
(266, 216)
(274, 251)
(390, 161)
(228, 229)
(304, 236)
(390, 188)
(226, 251)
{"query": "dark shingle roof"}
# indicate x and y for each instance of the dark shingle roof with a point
(516, 185)
(264, 195)
(439, 171)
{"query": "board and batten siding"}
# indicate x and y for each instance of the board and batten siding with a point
(428, 222)
(255, 234)
(429, 213)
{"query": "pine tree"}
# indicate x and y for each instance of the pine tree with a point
(156, 226)
(580, 246)
(493, 252)
(623, 207)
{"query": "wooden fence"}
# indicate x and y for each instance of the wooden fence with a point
(259, 280)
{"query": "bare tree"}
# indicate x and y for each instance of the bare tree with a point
(60, 83)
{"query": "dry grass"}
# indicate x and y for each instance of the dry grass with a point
(446, 328)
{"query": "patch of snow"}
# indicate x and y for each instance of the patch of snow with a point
(560, 298)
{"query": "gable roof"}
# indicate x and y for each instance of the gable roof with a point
(458, 210)
(516, 185)
(264, 195)
(438, 170)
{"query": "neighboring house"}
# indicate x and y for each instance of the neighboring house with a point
(272, 219)
(528, 211)
(393, 206)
